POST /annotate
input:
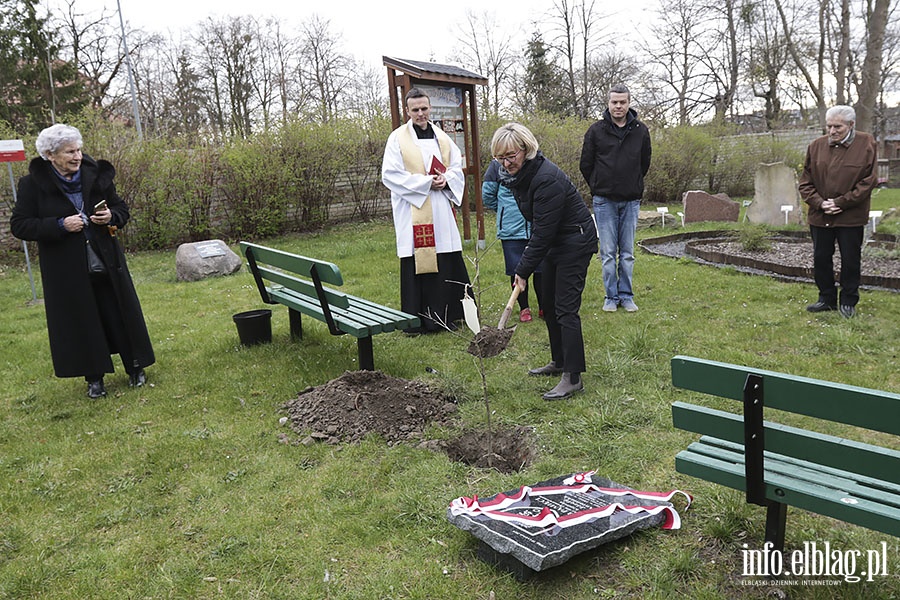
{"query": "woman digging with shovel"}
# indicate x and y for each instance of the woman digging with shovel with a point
(563, 241)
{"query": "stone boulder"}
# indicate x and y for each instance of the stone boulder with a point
(701, 206)
(210, 258)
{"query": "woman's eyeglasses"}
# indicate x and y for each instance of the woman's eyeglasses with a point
(508, 158)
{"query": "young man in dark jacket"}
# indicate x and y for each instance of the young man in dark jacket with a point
(615, 158)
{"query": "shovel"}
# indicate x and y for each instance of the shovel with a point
(509, 306)
(490, 341)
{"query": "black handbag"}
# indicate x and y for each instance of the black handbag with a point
(95, 264)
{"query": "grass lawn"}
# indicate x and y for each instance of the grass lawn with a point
(183, 490)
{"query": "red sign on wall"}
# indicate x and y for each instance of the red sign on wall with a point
(12, 151)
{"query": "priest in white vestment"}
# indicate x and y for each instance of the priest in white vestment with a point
(423, 169)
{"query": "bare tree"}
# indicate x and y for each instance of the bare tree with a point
(96, 49)
(285, 52)
(485, 46)
(605, 70)
(172, 99)
(153, 80)
(766, 59)
(228, 60)
(323, 66)
(724, 58)
(592, 95)
(368, 99)
(565, 14)
(877, 12)
(796, 40)
(265, 78)
(675, 54)
(843, 52)
(890, 70)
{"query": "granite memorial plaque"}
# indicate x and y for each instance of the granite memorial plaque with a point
(538, 527)
(211, 249)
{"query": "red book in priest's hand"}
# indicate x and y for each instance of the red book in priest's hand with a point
(437, 167)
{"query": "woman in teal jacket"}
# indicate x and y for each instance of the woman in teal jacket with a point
(513, 231)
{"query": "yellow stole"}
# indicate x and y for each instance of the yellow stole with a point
(424, 250)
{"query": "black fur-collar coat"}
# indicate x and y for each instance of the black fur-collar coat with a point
(78, 344)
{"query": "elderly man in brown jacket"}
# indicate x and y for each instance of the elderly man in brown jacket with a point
(837, 182)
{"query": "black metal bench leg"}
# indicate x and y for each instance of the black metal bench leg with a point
(366, 356)
(295, 324)
(776, 517)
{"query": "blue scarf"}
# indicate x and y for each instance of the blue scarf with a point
(72, 189)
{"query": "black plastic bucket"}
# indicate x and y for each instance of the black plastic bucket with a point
(254, 326)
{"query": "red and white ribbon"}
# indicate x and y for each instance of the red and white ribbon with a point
(497, 508)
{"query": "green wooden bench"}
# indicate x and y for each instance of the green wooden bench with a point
(297, 282)
(780, 466)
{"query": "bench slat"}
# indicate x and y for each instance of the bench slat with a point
(360, 319)
(839, 453)
(311, 307)
(387, 319)
(387, 313)
(794, 492)
(860, 486)
(302, 265)
(334, 297)
(863, 407)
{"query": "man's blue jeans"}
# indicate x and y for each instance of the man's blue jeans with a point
(616, 223)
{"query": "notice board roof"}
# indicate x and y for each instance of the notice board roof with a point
(434, 71)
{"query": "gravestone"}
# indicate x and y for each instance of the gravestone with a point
(210, 258)
(775, 186)
(702, 206)
(652, 218)
(537, 527)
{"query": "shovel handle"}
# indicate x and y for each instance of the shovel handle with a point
(509, 306)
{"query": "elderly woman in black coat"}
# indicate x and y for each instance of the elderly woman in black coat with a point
(68, 204)
(563, 240)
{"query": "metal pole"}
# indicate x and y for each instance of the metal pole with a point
(12, 182)
(134, 102)
(52, 88)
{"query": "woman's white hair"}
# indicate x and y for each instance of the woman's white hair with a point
(55, 137)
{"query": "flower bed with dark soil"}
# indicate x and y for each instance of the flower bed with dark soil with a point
(789, 256)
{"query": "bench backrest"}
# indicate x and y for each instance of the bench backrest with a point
(281, 267)
(862, 407)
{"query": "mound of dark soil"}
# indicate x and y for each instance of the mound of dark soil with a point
(357, 403)
(361, 402)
